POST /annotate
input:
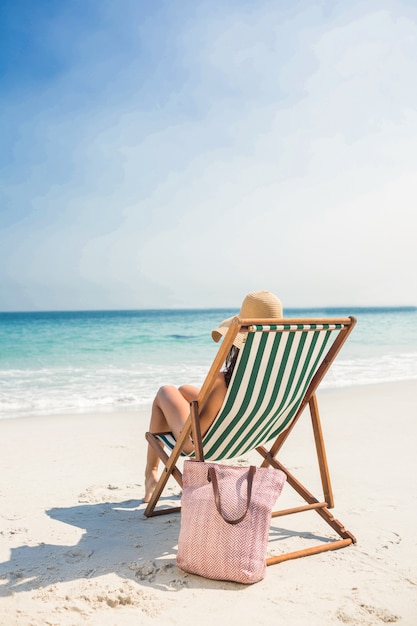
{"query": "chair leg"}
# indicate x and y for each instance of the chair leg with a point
(170, 469)
(321, 508)
(321, 452)
(334, 545)
(159, 449)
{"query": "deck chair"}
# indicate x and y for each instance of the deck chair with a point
(276, 376)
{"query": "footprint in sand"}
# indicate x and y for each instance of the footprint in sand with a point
(382, 614)
(166, 575)
(75, 556)
(394, 539)
(365, 610)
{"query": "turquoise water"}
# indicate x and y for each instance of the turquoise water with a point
(60, 362)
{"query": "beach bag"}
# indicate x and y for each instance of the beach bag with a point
(225, 520)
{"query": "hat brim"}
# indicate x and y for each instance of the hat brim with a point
(222, 329)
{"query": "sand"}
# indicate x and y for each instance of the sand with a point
(75, 547)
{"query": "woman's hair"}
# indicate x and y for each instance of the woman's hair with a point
(230, 364)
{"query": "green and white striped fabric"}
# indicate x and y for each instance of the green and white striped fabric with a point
(271, 376)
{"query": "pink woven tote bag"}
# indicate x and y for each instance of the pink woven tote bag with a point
(225, 519)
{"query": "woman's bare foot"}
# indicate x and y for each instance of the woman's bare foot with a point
(150, 484)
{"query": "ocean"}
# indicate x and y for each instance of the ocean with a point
(82, 361)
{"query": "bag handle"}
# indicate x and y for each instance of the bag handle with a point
(212, 477)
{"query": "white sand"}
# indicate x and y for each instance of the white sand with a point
(75, 547)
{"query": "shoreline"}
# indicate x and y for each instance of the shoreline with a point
(146, 405)
(77, 549)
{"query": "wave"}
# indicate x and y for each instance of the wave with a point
(77, 389)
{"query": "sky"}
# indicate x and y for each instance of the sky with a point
(180, 154)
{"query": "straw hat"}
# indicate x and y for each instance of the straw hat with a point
(258, 304)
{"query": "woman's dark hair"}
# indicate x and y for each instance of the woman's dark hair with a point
(230, 363)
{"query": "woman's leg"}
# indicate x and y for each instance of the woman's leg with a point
(189, 392)
(170, 411)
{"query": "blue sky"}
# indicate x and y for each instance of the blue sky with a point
(184, 153)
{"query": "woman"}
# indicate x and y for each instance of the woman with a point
(171, 406)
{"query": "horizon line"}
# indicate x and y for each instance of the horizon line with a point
(399, 307)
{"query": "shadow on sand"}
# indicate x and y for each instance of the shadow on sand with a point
(118, 539)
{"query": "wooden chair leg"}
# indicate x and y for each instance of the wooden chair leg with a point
(322, 508)
(170, 469)
(321, 452)
(334, 545)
